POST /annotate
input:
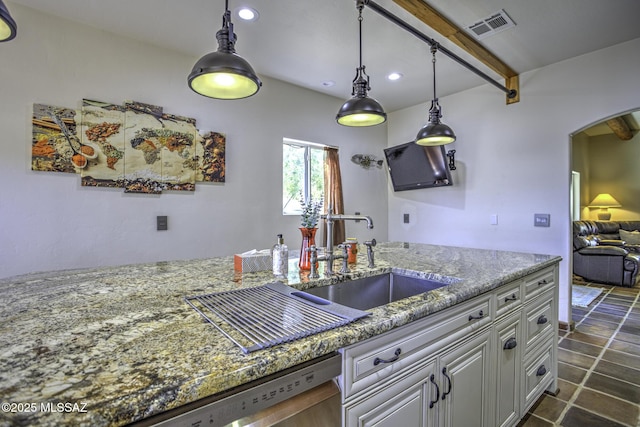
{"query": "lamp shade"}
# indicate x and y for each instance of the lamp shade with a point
(433, 134)
(8, 27)
(604, 200)
(224, 75)
(361, 111)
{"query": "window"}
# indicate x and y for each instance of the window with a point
(302, 173)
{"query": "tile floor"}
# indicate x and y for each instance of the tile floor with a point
(598, 365)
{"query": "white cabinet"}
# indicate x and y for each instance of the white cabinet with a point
(479, 363)
(508, 367)
(466, 383)
(400, 403)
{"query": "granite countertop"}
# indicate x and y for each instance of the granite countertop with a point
(109, 346)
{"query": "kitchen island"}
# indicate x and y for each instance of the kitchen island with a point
(110, 346)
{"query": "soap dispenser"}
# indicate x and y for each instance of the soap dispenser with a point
(280, 255)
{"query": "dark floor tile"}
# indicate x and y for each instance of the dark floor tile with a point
(599, 330)
(614, 387)
(599, 323)
(630, 338)
(622, 358)
(549, 408)
(606, 317)
(570, 373)
(580, 311)
(632, 292)
(610, 309)
(579, 335)
(630, 321)
(628, 296)
(621, 372)
(580, 347)
(617, 301)
(625, 347)
(577, 417)
(575, 359)
(615, 409)
(533, 421)
(565, 390)
(630, 327)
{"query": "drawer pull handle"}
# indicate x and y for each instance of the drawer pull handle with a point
(541, 371)
(478, 317)
(433, 402)
(378, 361)
(513, 297)
(444, 372)
(542, 320)
(542, 282)
(510, 344)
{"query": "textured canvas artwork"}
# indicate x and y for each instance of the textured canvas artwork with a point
(134, 146)
(52, 146)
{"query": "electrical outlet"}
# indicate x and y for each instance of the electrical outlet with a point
(162, 223)
(406, 218)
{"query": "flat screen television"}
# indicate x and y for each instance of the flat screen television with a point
(414, 166)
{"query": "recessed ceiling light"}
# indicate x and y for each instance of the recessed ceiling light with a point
(394, 76)
(247, 13)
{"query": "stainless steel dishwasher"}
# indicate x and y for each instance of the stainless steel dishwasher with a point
(303, 395)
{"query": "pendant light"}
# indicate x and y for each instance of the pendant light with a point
(434, 132)
(361, 110)
(223, 74)
(8, 26)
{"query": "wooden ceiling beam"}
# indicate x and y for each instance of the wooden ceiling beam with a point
(431, 17)
(620, 128)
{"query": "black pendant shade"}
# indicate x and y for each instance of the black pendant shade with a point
(224, 74)
(435, 132)
(361, 110)
(8, 27)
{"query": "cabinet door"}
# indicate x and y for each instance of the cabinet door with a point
(509, 350)
(401, 403)
(465, 378)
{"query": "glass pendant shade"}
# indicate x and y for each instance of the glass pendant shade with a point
(8, 27)
(224, 74)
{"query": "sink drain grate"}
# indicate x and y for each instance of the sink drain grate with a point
(264, 316)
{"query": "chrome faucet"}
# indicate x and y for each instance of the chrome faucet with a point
(329, 256)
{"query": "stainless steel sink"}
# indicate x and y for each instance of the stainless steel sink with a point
(374, 291)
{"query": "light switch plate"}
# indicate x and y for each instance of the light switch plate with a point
(162, 223)
(541, 220)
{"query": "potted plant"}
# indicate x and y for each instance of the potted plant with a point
(308, 221)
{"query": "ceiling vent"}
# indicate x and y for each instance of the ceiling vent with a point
(494, 24)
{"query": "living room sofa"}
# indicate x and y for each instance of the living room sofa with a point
(601, 253)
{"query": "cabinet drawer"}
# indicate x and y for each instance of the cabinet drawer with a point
(539, 282)
(508, 297)
(538, 375)
(375, 359)
(539, 318)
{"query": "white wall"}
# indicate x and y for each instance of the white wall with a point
(514, 160)
(49, 222)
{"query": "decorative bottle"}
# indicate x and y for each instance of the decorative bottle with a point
(280, 255)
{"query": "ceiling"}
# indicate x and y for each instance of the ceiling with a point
(309, 43)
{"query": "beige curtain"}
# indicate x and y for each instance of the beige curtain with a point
(333, 194)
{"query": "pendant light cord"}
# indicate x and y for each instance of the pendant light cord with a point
(360, 7)
(434, 49)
